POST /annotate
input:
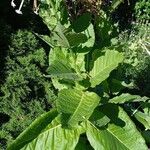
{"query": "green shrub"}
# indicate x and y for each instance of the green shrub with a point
(137, 57)
(142, 8)
(26, 93)
(23, 43)
(135, 42)
(5, 31)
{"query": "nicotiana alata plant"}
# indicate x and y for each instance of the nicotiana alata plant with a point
(81, 114)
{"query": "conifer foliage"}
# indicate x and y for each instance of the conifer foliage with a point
(25, 93)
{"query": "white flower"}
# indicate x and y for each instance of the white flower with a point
(18, 11)
(13, 4)
(36, 12)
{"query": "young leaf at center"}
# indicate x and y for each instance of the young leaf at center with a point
(76, 105)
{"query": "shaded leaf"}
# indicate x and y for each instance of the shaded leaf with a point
(146, 135)
(82, 22)
(115, 85)
(46, 39)
(59, 85)
(90, 36)
(83, 144)
(98, 118)
(75, 39)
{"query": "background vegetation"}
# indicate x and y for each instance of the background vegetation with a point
(26, 92)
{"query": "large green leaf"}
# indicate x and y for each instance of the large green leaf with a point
(65, 66)
(119, 135)
(33, 130)
(76, 104)
(127, 98)
(54, 137)
(104, 65)
(80, 62)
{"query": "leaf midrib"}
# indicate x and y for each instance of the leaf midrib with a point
(110, 133)
(104, 70)
(42, 133)
(117, 138)
(77, 107)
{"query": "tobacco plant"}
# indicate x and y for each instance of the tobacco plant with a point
(89, 112)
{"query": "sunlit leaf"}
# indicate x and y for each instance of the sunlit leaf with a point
(121, 135)
(126, 97)
(76, 104)
(104, 65)
(54, 137)
(33, 130)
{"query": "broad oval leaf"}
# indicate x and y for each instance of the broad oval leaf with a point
(33, 130)
(82, 22)
(116, 137)
(54, 137)
(104, 65)
(76, 104)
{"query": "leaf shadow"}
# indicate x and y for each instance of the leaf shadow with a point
(112, 112)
